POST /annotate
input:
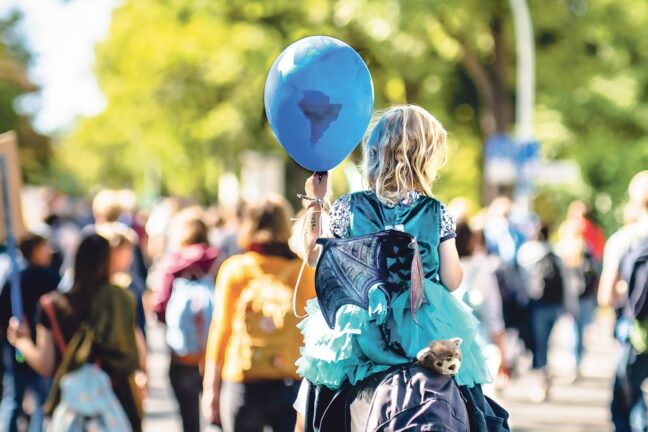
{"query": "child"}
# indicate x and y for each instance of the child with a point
(401, 158)
(36, 279)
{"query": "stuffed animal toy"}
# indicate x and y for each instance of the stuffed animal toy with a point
(441, 356)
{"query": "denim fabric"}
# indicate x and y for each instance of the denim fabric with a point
(628, 407)
(15, 384)
(402, 399)
(485, 414)
(543, 317)
(408, 397)
(251, 406)
(586, 308)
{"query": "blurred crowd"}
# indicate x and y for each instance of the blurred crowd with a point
(79, 260)
(522, 276)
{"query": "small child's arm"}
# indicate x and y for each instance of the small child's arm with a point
(450, 270)
(315, 189)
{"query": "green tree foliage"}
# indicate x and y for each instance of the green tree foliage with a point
(35, 150)
(184, 82)
(592, 102)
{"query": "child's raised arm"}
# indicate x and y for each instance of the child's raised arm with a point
(315, 189)
(450, 270)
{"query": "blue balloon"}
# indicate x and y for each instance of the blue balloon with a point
(319, 100)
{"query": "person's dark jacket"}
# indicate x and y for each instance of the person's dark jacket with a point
(34, 282)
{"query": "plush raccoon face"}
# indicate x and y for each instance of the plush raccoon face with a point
(443, 357)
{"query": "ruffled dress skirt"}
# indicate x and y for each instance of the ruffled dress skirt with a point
(355, 348)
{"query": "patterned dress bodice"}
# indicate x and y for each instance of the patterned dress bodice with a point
(419, 218)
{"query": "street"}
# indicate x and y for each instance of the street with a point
(579, 406)
(572, 407)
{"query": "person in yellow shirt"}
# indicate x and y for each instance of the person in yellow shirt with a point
(250, 379)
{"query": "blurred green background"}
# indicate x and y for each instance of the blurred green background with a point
(183, 80)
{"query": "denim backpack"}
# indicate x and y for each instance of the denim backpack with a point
(404, 398)
(87, 399)
(189, 313)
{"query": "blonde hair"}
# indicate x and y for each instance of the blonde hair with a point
(106, 206)
(638, 190)
(403, 153)
(117, 234)
(265, 221)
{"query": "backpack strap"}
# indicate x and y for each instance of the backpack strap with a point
(48, 308)
(637, 279)
(195, 271)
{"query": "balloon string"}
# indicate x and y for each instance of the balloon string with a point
(303, 234)
(294, 299)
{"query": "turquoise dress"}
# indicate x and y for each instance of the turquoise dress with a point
(365, 342)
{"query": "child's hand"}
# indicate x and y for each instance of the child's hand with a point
(316, 185)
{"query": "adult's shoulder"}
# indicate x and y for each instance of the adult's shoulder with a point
(47, 278)
(622, 242)
(119, 294)
(617, 245)
(55, 297)
(237, 266)
(237, 261)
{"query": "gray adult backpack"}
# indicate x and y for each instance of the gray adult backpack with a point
(634, 270)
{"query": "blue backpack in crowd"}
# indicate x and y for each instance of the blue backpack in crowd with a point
(189, 313)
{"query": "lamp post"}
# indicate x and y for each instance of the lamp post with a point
(528, 148)
(525, 67)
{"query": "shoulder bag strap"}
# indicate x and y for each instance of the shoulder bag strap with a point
(48, 308)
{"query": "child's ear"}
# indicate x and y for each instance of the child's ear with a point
(457, 341)
(423, 354)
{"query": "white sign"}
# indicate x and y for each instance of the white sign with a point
(559, 172)
(261, 174)
(228, 190)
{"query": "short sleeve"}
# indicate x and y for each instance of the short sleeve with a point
(340, 217)
(448, 226)
(42, 318)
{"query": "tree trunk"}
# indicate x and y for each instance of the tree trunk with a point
(502, 106)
